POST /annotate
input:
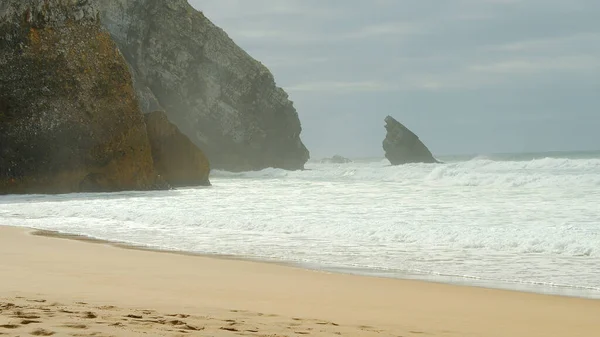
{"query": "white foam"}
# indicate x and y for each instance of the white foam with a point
(528, 222)
(546, 172)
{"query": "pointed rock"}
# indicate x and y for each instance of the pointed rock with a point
(402, 146)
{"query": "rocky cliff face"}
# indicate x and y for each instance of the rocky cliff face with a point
(176, 158)
(69, 117)
(402, 146)
(226, 102)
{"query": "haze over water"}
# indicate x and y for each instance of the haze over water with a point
(527, 222)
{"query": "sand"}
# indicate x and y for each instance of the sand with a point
(61, 287)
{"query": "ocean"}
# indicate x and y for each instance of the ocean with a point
(528, 222)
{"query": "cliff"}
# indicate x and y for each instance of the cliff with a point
(402, 146)
(226, 102)
(69, 117)
(176, 158)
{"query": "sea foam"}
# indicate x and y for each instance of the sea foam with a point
(546, 172)
(480, 221)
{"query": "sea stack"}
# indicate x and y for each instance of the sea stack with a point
(402, 146)
(69, 116)
(225, 101)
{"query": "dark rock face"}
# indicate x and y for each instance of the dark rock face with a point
(69, 117)
(402, 146)
(226, 102)
(176, 158)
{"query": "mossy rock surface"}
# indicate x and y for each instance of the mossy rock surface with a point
(69, 117)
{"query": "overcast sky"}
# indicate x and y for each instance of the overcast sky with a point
(468, 76)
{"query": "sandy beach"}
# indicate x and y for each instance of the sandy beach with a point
(55, 286)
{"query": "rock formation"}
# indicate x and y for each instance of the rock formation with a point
(402, 146)
(69, 117)
(337, 159)
(176, 158)
(226, 102)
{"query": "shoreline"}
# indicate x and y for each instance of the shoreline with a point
(260, 299)
(461, 281)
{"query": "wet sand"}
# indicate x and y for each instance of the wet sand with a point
(62, 287)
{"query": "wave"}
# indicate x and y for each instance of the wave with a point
(268, 173)
(480, 171)
(546, 172)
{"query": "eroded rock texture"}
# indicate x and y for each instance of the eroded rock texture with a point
(226, 102)
(69, 117)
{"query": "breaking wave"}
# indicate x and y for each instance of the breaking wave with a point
(480, 171)
(485, 221)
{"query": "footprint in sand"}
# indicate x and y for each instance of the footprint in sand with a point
(89, 315)
(6, 306)
(65, 311)
(42, 332)
(75, 326)
(9, 326)
(20, 314)
(327, 323)
(37, 301)
(134, 316)
(29, 321)
(193, 328)
(107, 307)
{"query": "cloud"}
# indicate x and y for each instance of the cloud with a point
(286, 37)
(560, 43)
(278, 36)
(342, 87)
(293, 61)
(530, 66)
(235, 9)
(409, 82)
(490, 62)
(393, 29)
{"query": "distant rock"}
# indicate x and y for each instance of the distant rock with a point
(176, 158)
(402, 146)
(225, 101)
(69, 117)
(337, 159)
